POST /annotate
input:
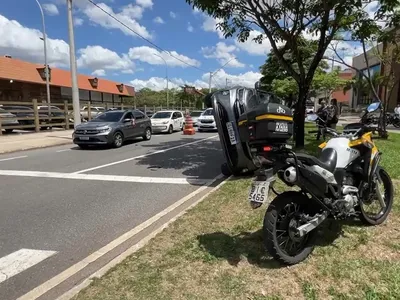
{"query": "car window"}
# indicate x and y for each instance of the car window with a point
(162, 115)
(196, 113)
(138, 115)
(208, 112)
(179, 115)
(128, 115)
(110, 116)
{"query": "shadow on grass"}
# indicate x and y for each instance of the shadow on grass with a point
(250, 245)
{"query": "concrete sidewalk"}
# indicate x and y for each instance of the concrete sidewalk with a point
(26, 141)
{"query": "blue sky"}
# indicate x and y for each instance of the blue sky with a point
(107, 50)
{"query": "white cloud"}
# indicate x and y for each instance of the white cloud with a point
(190, 27)
(145, 3)
(25, 43)
(50, 9)
(158, 20)
(173, 15)
(78, 21)
(219, 81)
(99, 72)
(128, 15)
(210, 25)
(151, 56)
(223, 53)
(97, 58)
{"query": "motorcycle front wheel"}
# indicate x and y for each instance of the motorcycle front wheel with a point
(280, 239)
(381, 197)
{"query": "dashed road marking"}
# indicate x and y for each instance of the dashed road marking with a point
(12, 158)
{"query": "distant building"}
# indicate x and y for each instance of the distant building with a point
(342, 96)
(24, 81)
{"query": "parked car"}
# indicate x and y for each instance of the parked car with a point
(55, 112)
(206, 121)
(167, 121)
(195, 116)
(25, 112)
(94, 112)
(7, 119)
(113, 128)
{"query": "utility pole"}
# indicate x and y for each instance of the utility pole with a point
(46, 66)
(72, 58)
(166, 73)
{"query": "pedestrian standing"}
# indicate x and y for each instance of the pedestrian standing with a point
(334, 114)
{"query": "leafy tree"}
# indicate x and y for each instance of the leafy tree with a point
(283, 24)
(329, 82)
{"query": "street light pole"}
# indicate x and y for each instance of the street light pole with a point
(72, 58)
(46, 67)
(166, 73)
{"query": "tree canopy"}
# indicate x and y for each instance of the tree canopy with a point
(284, 22)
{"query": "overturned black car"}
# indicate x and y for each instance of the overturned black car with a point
(244, 115)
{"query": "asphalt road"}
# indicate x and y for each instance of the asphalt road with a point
(63, 203)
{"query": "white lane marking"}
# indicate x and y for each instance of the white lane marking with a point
(101, 177)
(85, 283)
(141, 156)
(58, 279)
(63, 150)
(18, 261)
(11, 158)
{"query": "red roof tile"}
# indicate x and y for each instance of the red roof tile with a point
(19, 70)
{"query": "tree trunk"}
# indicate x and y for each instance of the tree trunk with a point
(299, 117)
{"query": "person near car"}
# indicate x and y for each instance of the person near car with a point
(322, 113)
(397, 109)
(333, 117)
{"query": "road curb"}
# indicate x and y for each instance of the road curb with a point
(61, 143)
(102, 271)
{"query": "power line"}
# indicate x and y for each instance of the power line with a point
(142, 37)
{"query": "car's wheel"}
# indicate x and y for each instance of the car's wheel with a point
(9, 130)
(170, 129)
(200, 130)
(118, 140)
(147, 134)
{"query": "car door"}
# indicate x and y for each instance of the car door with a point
(140, 123)
(175, 120)
(128, 128)
(180, 119)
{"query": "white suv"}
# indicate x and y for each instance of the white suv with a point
(167, 121)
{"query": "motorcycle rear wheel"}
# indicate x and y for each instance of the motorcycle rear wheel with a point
(388, 195)
(279, 238)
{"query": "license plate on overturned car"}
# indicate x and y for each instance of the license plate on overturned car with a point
(259, 191)
(281, 127)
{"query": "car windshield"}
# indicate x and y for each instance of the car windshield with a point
(209, 112)
(111, 116)
(195, 113)
(162, 115)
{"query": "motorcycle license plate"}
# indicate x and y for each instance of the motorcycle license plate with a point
(259, 191)
(281, 127)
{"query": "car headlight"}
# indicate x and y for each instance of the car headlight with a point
(104, 130)
(165, 122)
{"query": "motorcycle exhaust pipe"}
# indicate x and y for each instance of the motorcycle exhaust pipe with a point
(289, 175)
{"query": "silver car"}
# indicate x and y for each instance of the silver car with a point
(8, 119)
(113, 128)
(195, 116)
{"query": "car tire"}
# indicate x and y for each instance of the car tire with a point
(147, 134)
(170, 129)
(118, 139)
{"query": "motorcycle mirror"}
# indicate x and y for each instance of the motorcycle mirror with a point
(257, 85)
(312, 117)
(373, 107)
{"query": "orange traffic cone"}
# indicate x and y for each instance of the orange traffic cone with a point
(188, 130)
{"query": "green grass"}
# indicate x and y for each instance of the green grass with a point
(215, 251)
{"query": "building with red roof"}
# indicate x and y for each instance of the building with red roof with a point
(24, 81)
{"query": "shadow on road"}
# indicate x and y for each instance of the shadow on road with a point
(198, 162)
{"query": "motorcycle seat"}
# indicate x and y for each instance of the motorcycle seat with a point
(327, 160)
